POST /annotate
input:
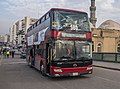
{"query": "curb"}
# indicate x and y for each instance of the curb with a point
(107, 67)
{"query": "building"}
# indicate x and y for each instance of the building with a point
(1, 41)
(1, 38)
(106, 38)
(19, 29)
(13, 35)
(6, 38)
(93, 18)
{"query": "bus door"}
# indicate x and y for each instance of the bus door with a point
(33, 56)
(48, 56)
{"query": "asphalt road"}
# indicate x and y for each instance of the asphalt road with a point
(15, 74)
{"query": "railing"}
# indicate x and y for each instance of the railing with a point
(109, 57)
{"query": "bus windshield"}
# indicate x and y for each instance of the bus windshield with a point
(71, 50)
(64, 20)
(82, 49)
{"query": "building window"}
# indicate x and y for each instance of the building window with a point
(118, 48)
(101, 33)
(99, 47)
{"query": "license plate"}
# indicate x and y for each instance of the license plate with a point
(75, 74)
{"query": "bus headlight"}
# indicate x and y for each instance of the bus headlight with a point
(89, 68)
(57, 70)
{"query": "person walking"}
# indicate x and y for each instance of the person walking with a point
(8, 53)
(12, 53)
(4, 53)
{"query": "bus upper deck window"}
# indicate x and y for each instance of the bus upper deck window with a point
(47, 15)
(43, 19)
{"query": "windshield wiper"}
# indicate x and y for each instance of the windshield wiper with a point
(66, 58)
(83, 58)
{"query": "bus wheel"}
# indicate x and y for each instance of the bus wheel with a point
(42, 69)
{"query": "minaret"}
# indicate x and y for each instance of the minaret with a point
(93, 19)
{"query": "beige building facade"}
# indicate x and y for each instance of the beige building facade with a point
(106, 38)
(19, 29)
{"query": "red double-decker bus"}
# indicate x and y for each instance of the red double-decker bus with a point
(60, 43)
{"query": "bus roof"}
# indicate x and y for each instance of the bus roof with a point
(61, 9)
(58, 9)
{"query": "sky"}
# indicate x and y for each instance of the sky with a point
(13, 10)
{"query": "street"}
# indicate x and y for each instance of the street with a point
(60, 38)
(15, 74)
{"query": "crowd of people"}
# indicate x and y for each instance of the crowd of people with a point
(7, 53)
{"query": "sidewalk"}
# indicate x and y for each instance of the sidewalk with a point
(107, 65)
(10, 60)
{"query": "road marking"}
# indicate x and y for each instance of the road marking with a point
(14, 63)
(106, 79)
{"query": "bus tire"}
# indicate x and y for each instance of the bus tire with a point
(30, 63)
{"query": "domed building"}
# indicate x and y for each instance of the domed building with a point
(110, 24)
(106, 38)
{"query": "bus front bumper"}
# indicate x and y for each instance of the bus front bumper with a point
(75, 71)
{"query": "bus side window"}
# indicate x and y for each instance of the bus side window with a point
(31, 53)
(36, 52)
(39, 22)
(40, 52)
(47, 15)
(43, 19)
(35, 49)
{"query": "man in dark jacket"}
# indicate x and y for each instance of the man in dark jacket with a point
(12, 53)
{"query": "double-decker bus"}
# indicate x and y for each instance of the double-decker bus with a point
(60, 43)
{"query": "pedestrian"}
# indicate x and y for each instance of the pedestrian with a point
(4, 53)
(8, 53)
(12, 53)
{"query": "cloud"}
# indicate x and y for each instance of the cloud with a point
(116, 4)
(3, 25)
(33, 7)
(108, 9)
(13, 10)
